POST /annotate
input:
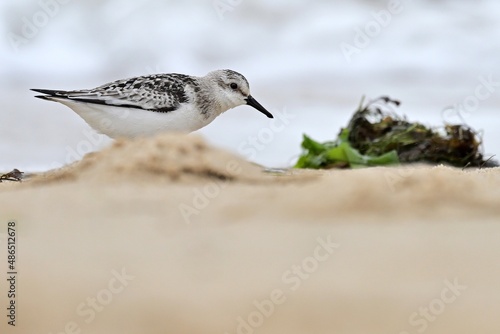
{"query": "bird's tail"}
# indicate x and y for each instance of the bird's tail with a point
(50, 94)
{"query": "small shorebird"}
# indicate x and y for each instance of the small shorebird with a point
(148, 105)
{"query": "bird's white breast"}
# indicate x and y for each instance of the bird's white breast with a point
(132, 122)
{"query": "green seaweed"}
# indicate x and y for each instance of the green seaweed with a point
(340, 154)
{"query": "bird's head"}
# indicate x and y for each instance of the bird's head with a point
(233, 90)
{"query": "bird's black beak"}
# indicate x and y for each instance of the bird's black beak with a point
(253, 102)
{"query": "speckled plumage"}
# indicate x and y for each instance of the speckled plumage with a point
(147, 105)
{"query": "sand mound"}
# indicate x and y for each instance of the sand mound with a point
(169, 157)
(133, 254)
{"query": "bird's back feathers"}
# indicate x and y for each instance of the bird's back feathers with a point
(160, 92)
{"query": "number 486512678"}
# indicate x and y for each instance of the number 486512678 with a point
(11, 245)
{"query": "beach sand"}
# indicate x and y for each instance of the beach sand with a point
(171, 235)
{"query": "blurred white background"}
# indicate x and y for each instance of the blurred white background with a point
(429, 54)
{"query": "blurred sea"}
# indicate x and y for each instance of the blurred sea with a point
(431, 55)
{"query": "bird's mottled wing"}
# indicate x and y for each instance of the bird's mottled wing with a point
(160, 92)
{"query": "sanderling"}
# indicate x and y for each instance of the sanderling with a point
(148, 105)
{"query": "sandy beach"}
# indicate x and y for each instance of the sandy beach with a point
(191, 234)
(172, 235)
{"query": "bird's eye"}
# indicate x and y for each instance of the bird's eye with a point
(234, 86)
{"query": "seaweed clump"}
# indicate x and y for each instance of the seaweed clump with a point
(14, 175)
(376, 136)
